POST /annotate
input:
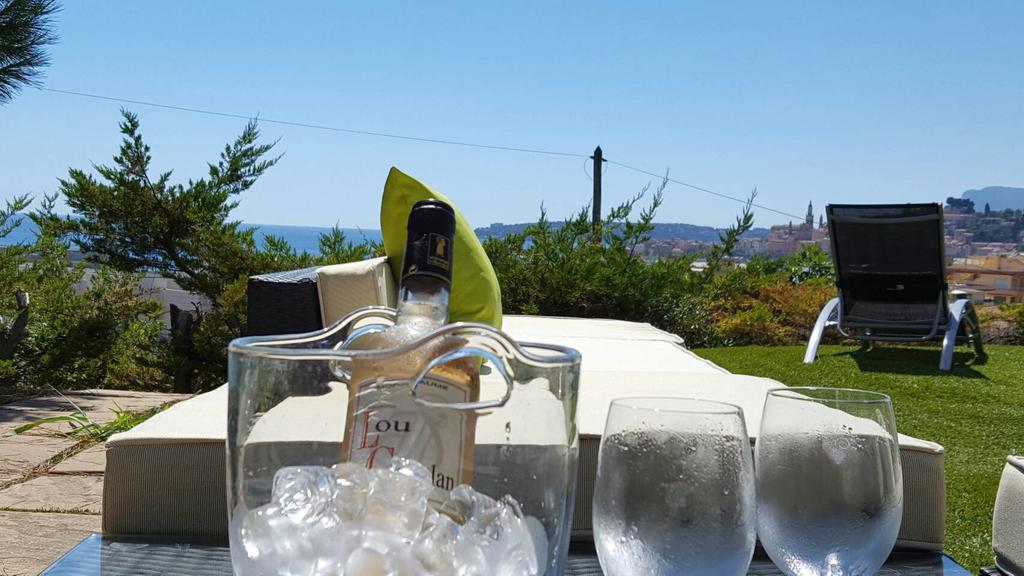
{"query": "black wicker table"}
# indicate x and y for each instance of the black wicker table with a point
(98, 556)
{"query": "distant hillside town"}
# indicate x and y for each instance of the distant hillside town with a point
(984, 244)
(968, 232)
(779, 240)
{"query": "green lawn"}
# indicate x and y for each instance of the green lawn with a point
(976, 412)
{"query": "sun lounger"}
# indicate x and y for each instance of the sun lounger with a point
(891, 279)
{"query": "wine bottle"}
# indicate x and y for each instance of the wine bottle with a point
(384, 420)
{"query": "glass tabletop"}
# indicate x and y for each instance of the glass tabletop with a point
(99, 556)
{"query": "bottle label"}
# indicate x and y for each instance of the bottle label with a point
(429, 255)
(389, 422)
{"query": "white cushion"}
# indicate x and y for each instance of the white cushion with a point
(546, 328)
(612, 345)
(202, 418)
(1008, 518)
(353, 285)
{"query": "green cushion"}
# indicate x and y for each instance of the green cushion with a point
(475, 294)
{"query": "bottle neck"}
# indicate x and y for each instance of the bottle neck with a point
(423, 298)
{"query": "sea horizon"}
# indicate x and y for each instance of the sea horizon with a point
(301, 238)
(307, 238)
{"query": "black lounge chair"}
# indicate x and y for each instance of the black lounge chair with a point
(891, 278)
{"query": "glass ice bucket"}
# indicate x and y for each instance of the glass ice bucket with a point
(297, 508)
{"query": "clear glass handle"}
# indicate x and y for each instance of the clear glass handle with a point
(462, 353)
(350, 335)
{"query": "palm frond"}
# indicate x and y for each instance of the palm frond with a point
(26, 28)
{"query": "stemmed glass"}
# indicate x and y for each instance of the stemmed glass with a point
(829, 483)
(675, 489)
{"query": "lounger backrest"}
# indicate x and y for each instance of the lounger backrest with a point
(890, 261)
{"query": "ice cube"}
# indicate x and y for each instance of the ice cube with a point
(397, 501)
(381, 553)
(352, 485)
(429, 519)
(401, 518)
(304, 493)
(493, 520)
(400, 485)
(368, 562)
(521, 554)
(276, 544)
(515, 562)
(412, 469)
(347, 520)
(469, 559)
(435, 545)
(333, 547)
(464, 503)
(504, 538)
(540, 540)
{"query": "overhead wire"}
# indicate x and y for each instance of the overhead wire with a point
(319, 126)
(443, 141)
(705, 190)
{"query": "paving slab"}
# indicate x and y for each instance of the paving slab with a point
(55, 492)
(99, 405)
(31, 541)
(91, 461)
(21, 453)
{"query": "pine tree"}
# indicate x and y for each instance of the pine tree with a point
(26, 27)
(133, 220)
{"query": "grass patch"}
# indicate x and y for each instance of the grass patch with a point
(82, 426)
(975, 411)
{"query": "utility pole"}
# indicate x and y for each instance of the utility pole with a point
(598, 159)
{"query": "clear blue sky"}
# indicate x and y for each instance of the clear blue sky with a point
(830, 101)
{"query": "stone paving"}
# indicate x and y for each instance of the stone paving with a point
(48, 504)
(91, 461)
(33, 540)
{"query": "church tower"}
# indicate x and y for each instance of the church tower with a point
(809, 219)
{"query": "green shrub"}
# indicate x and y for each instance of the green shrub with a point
(573, 270)
(755, 324)
(106, 334)
(810, 264)
(1014, 314)
(1001, 324)
(797, 305)
(564, 271)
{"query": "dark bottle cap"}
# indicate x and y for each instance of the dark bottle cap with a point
(429, 241)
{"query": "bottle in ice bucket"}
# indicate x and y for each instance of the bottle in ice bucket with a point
(383, 418)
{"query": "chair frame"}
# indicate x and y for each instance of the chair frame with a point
(948, 329)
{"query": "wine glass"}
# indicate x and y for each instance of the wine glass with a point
(675, 489)
(829, 483)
